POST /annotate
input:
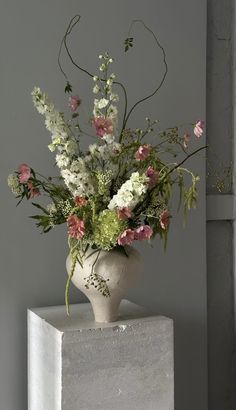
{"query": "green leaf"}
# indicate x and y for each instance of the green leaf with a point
(128, 43)
(41, 208)
(68, 87)
(75, 115)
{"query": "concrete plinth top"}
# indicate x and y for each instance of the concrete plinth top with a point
(81, 316)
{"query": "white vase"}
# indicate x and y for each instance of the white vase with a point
(118, 269)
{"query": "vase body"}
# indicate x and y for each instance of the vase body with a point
(118, 269)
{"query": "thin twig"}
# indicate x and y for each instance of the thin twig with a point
(164, 75)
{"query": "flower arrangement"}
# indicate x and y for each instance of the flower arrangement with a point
(118, 191)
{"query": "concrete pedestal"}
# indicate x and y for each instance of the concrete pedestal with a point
(77, 364)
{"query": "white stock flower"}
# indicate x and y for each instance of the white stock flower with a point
(93, 149)
(130, 193)
(41, 101)
(96, 89)
(109, 139)
(102, 103)
(62, 160)
(114, 97)
(71, 147)
(112, 111)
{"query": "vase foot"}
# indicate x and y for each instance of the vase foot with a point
(105, 309)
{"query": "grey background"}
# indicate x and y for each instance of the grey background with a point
(221, 233)
(32, 265)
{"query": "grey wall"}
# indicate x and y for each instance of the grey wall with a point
(220, 257)
(32, 265)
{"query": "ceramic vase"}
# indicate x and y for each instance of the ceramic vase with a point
(106, 277)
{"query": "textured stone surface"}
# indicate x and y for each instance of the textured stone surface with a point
(75, 363)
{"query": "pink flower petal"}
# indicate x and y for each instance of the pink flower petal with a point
(24, 173)
(143, 152)
(126, 238)
(143, 233)
(76, 227)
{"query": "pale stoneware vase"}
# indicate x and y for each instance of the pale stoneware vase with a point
(120, 273)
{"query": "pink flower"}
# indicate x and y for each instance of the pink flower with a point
(164, 219)
(186, 139)
(80, 201)
(76, 227)
(74, 102)
(126, 238)
(198, 129)
(24, 173)
(143, 232)
(33, 190)
(143, 152)
(124, 213)
(152, 174)
(103, 126)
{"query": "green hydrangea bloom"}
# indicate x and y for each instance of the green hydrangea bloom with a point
(107, 229)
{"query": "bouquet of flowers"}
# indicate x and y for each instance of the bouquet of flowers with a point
(118, 190)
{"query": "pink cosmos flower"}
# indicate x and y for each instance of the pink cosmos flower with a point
(74, 102)
(124, 213)
(126, 238)
(152, 174)
(80, 201)
(103, 126)
(34, 192)
(143, 152)
(186, 139)
(76, 227)
(24, 173)
(198, 129)
(164, 219)
(143, 232)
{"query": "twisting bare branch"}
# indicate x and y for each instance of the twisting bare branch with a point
(164, 75)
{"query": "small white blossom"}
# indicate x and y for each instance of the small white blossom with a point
(93, 148)
(51, 208)
(114, 97)
(14, 184)
(102, 67)
(96, 89)
(131, 192)
(112, 111)
(62, 160)
(109, 139)
(71, 147)
(102, 103)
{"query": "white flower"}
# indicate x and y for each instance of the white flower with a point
(41, 101)
(13, 183)
(93, 148)
(96, 89)
(71, 147)
(102, 103)
(114, 97)
(102, 67)
(112, 111)
(130, 193)
(109, 139)
(62, 160)
(51, 208)
(78, 165)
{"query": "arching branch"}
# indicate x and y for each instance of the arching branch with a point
(164, 75)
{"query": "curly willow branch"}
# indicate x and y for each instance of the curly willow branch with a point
(164, 75)
(73, 22)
